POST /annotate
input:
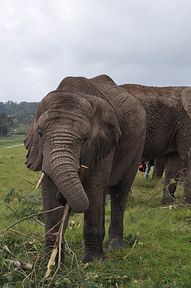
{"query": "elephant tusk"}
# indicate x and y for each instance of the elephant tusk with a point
(82, 171)
(40, 180)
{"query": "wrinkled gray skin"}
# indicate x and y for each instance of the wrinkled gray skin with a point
(95, 123)
(173, 170)
(159, 165)
(168, 117)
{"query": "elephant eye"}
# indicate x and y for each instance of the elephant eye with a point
(87, 136)
(85, 140)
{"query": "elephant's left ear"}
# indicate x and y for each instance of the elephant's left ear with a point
(105, 130)
(186, 100)
(33, 143)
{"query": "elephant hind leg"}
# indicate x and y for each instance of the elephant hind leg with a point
(172, 172)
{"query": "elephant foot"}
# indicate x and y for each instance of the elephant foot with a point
(89, 257)
(115, 243)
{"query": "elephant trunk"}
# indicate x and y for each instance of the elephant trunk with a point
(63, 171)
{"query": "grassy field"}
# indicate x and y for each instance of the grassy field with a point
(158, 239)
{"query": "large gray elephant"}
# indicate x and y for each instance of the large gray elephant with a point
(168, 117)
(98, 124)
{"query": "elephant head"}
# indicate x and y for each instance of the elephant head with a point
(70, 129)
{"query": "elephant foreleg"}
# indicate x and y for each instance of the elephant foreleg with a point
(118, 201)
(119, 194)
(52, 219)
(94, 218)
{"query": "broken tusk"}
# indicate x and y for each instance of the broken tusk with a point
(82, 171)
(40, 180)
(84, 166)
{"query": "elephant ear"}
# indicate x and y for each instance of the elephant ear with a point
(33, 143)
(186, 100)
(104, 132)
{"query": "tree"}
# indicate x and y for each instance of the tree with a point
(6, 123)
(16, 115)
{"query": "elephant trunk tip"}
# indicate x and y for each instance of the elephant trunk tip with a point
(80, 208)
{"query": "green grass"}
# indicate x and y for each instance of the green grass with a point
(11, 140)
(158, 239)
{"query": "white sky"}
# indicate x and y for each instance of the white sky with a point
(133, 41)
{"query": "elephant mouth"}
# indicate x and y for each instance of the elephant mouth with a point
(60, 198)
(82, 172)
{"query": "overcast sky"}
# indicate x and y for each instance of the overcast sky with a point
(133, 41)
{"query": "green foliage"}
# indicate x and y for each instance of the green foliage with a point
(15, 117)
(6, 124)
(157, 239)
(20, 109)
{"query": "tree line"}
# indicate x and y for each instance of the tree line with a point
(15, 117)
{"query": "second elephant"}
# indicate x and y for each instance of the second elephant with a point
(168, 118)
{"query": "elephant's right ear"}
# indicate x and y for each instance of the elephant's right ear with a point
(186, 100)
(33, 143)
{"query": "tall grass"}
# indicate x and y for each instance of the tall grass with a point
(157, 239)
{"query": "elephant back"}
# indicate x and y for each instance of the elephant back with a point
(186, 100)
(79, 84)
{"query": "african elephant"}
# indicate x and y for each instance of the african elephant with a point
(98, 124)
(168, 117)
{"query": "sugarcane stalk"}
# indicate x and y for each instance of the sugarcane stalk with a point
(18, 263)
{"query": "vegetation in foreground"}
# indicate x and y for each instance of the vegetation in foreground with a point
(158, 239)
